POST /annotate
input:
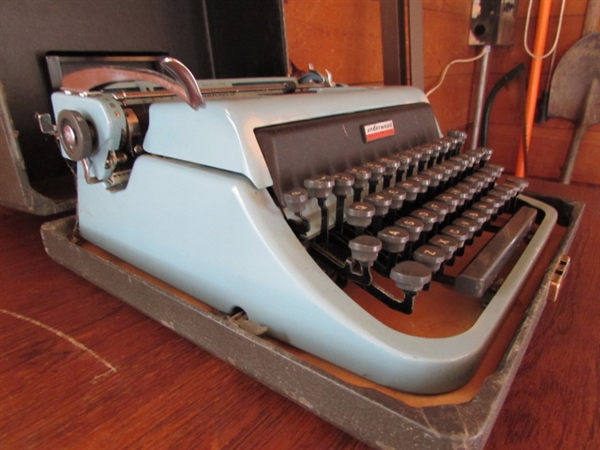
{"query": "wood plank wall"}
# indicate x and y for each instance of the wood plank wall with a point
(344, 37)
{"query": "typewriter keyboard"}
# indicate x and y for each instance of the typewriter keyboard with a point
(408, 216)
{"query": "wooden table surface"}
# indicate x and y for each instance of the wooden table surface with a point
(80, 369)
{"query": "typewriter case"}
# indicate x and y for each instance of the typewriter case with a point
(374, 414)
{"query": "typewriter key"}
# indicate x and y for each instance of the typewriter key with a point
(295, 200)
(365, 249)
(393, 239)
(431, 256)
(411, 276)
(447, 244)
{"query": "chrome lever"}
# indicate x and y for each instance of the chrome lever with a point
(181, 83)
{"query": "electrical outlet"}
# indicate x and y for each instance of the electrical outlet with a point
(492, 22)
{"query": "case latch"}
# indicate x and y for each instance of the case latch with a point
(560, 271)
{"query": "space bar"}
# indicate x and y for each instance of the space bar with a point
(478, 276)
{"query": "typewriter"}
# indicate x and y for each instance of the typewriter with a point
(340, 220)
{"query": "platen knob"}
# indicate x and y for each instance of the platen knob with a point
(75, 134)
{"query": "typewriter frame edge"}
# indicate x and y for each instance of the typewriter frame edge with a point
(370, 416)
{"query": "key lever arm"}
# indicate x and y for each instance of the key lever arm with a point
(363, 278)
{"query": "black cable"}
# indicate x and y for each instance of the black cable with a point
(491, 97)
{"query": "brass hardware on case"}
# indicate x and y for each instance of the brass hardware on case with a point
(560, 271)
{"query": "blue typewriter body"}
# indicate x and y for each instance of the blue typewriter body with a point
(200, 203)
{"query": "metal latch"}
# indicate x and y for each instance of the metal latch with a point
(558, 276)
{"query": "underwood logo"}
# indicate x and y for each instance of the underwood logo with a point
(378, 130)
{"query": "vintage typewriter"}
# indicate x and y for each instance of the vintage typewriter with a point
(339, 220)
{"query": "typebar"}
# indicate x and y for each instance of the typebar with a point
(483, 270)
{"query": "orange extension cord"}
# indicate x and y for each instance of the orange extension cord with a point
(533, 85)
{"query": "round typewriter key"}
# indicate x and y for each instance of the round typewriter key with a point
(445, 243)
(459, 234)
(496, 167)
(435, 177)
(295, 200)
(429, 218)
(423, 180)
(430, 256)
(403, 159)
(415, 154)
(464, 164)
(510, 189)
(437, 149)
(491, 172)
(452, 201)
(487, 154)
(494, 202)
(377, 170)
(413, 225)
(455, 145)
(440, 208)
(445, 143)
(411, 187)
(460, 193)
(426, 156)
(521, 183)
(360, 214)
(361, 176)
(470, 189)
(398, 195)
(410, 276)
(365, 249)
(485, 208)
(478, 183)
(444, 170)
(427, 151)
(460, 135)
(477, 153)
(391, 165)
(393, 239)
(319, 187)
(468, 158)
(499, 194)
(470, 225)
(485, 177)
(453, 166)
(477, 216)
(343, 184)
(381, 201)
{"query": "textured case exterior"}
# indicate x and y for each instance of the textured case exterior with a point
(371, 416)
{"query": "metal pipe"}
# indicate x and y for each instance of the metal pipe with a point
(480, 97)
